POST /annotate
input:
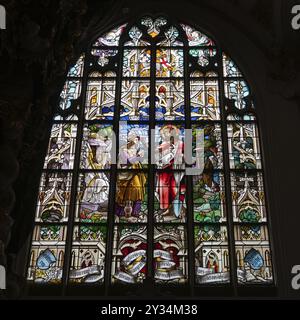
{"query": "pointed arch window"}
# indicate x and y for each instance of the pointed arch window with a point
(102, 223)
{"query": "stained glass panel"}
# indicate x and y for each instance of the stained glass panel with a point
(131, 197)
(253, 254)
(136, 38)
(112, 37)
(104, 56)
(211, 254)
(248, 198)
(93, 197)
(230, 69)
(133, 146)
(170, 100)
(213, 158)
(47, 255)
(244, 150)
(135, 100)
(209, 198)
(170, 197)
(238, 91)
(129, 265)
(169, 146)
(204, 56)
(66, 118)
(88, 254)
(154, 26)
(245, 117)
(54, 198)
(196, 38)
(136, 63)
(170, 254)
(61, 149)
(100, 100)
(169, 63)
(77, 69)
(70, 92)
(205, 103)
(96, 147)
(171, 36)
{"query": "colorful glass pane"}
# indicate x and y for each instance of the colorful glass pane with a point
(171, 36)
(104, 56)
(209, 197)
(93, 197)
(47, 255)
(70, 92)
(243, 144)
(211, 254)
(169, 146)
(131, 197)
(213, 158)
(248, 198)
(205, 103)
(170, 100)
(129, 264)
(88, 254)
(135, 100)
(169, 63)
(245, 117)
(237, 91)
(196, 38)
(97, 147)
(54, 198)
(253, 254)
(133, 146)
(230, 69)
(170, 254)
(77, 69)
(136, 38)
(154, 25)
(61, 149)
(112, 37)
(170, 197)
(136, 63)
(204, 56)
(100, 101)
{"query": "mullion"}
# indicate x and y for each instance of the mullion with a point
(227, 177)
(151, 172)
(114, 175)
(189, 179)
(75, 179)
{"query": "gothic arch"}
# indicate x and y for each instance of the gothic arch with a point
(75, 189)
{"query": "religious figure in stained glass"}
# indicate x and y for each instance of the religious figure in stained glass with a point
(131, 193)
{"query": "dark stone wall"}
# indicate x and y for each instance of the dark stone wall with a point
(44, 37)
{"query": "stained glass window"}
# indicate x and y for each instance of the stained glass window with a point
(117, 202)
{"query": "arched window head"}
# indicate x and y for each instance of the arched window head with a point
(154, 166)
